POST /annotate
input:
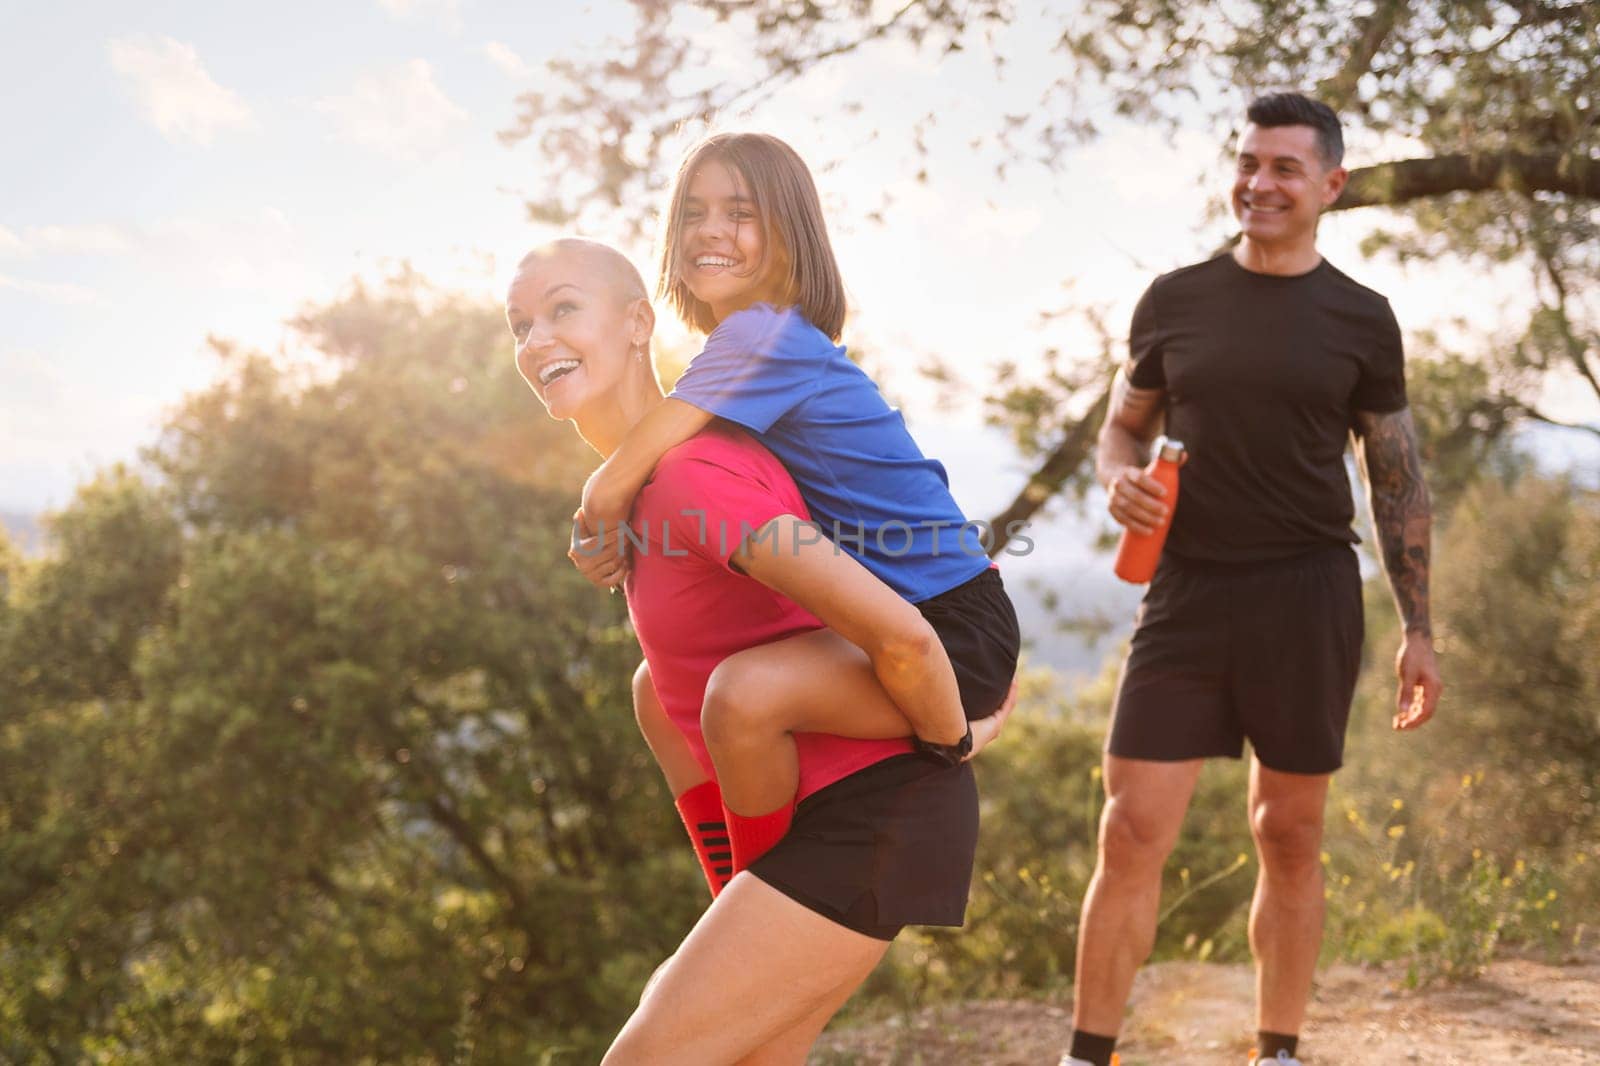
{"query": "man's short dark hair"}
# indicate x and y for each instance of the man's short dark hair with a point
(1293, 109)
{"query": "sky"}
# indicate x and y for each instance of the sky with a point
(179, 170)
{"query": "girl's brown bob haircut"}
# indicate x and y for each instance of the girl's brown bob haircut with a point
(791, 218)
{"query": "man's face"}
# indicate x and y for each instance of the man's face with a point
(1281, 184)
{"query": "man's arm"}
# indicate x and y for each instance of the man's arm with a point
(1133, 420)
(1386, 445)
(608, 494)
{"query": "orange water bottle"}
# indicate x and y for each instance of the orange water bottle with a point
(1139, 553)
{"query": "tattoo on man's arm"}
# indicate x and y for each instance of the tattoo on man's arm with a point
(1133, 419)
(1141, 410)
(1401, 513)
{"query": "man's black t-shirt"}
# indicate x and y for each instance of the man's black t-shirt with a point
(1263, 375)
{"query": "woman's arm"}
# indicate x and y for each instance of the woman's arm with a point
(791, 556)
(608, 494)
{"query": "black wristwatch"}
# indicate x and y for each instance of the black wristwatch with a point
(948, 754)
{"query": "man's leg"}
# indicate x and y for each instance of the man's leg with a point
(1286, 914)
(1172, 710)
(1145, 804)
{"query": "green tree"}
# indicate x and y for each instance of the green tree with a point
(313, 747)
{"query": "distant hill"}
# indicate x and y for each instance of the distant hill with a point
(1073, 614)
(24, 531)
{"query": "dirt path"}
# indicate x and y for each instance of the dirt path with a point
(1196, 1014)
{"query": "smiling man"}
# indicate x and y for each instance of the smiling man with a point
(1262, 361)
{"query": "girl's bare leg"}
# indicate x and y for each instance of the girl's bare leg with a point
(756, 699)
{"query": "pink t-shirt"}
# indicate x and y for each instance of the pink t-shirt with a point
(691, 610)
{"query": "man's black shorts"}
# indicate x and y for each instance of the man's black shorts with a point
(977, 625)
(1265, 652)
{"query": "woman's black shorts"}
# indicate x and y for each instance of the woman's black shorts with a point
(1267, 652)
(889, 846)
(977, 625)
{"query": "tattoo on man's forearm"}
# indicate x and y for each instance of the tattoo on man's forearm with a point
(1401, 513)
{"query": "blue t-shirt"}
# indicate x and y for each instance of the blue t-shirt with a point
(867, 483)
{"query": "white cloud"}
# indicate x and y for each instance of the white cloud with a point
(507, 60)
(401, 112)
(447, 12)
(174, 90)
(47, 291)
(250, 228)
(92, 239)
(76, 240)
(256, 248)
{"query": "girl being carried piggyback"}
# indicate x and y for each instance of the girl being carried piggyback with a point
(746, 259)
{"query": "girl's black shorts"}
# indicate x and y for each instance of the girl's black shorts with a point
(889, 846)
(977, 625)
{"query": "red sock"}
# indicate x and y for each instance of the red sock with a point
(701, 810)
(754, 835)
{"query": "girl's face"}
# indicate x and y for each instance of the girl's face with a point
(723, 242)
(573, 335)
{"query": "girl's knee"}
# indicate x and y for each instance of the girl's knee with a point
(736, 707)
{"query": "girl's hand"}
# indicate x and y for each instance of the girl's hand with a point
(602, 559)
(985, 730)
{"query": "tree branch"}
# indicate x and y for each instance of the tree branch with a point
(1535, 13)
(790, 67)
(1069, 455)
(1393, 184)
(436, 796)
(1577, 350)
(1338, 90)
(1539, 416)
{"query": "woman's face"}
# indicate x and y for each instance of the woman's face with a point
(573, 333)
(723, 242)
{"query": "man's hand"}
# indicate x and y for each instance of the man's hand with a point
(984, 730)
(1136, 500)
(1420, 685)
(601, 557)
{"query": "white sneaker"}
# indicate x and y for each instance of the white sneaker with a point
(1283, 1059)
(1068, 1060)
